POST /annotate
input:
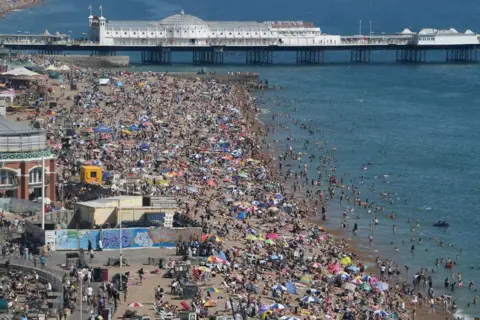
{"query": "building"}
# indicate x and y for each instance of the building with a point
(126, 208)
(22, 151)
(451, 36)
(187, 30)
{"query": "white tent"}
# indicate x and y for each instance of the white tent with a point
(103, 81)
(51, 68)
(20, 72)
(64, 68)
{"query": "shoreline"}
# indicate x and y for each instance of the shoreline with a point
(363, 255)
(20, 6)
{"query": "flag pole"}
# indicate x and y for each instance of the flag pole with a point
(101, 11)
(90, 7)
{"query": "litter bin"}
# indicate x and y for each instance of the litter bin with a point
(106, 314)
(97, 274)
(104, 276)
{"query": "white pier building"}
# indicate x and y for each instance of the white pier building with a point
(187, 30)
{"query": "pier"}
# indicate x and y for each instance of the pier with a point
(209, 41)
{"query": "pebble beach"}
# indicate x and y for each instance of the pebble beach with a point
(262, 213)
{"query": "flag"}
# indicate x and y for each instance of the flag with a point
(101, 7)
(90, 7)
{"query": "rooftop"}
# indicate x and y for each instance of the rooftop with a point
(11, 128)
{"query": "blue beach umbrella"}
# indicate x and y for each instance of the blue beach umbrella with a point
(309, 299)
(279, 287)
(242, 215)
(354, 269)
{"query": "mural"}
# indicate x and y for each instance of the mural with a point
(130, 238)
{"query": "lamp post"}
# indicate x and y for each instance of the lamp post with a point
(43, 192)
(81, 275)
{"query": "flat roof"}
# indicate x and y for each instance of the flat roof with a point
(13, 128)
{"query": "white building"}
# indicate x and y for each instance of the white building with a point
(446, 37)
(187, 30)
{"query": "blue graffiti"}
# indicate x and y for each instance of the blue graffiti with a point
(111, 239)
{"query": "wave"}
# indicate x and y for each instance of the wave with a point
(460, 315)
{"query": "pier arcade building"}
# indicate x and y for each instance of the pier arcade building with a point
(187, 30)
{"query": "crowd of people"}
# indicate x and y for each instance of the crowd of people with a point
(8, 5)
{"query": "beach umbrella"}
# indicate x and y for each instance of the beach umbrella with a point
(242, 215)
(251, 231)
(279, 196)
(309, 299)
(279, 287)
(365, 287)
(381, 313)
(212, 290)
(349, 286)
(315, 265)
(289, 318)
(353, 268)
(203, 268)
(277, 306)
(269, 241)
(192, 189)
(382, 286)
(135, 305)
(346, 260)
(306, 280)
(271, 236)
(356, 281)
(210, 304)
(251, 237)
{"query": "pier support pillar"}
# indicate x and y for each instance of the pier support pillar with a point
(208, 57)
(157, 56)
(310, 57)
(462, 54)
(360, 55)
(411, 55)
(103, 52)
(259, 57)
(50, 52)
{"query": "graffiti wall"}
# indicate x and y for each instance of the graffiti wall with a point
(129, 238)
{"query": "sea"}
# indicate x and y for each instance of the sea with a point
(411, 131)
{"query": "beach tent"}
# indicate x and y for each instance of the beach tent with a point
(21, 72)
(102, 129)
(64, 68)
(103, 81)
(51, 68)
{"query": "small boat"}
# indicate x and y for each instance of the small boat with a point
(441, 224)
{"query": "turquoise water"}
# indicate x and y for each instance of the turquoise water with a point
(417, 123)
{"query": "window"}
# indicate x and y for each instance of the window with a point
(8, 177)
(93, 174)
(134, 33)
(125, 33)
(35, 175)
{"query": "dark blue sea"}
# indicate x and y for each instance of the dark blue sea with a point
(417, 124)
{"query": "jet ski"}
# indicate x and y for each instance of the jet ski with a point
(441, 224)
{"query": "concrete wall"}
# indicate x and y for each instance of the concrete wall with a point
(102, 215)
(94, 61)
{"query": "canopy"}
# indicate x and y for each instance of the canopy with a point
(102, 129)
(51, 68)
(103, 81)
(21, 72)
(64, 68)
